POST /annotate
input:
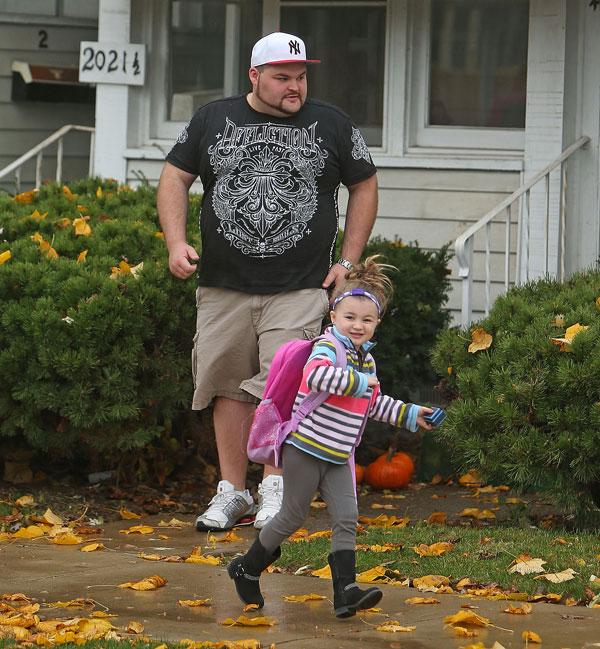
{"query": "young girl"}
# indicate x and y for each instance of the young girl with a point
(317, 455)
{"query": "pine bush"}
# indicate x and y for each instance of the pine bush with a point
(91, 365)
(527, 410)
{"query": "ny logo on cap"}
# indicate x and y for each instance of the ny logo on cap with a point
(294, 47)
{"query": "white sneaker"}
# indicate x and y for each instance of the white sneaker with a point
(270, 498)
(226, 508)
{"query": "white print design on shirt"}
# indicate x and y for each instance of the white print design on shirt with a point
(266, 189)
(183, 136)
(360, 148)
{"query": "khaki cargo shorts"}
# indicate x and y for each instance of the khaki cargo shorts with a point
(237, 335)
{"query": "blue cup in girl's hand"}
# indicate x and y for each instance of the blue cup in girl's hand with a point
(436, 417)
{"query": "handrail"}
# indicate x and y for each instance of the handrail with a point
(463, 246)
(37, 151)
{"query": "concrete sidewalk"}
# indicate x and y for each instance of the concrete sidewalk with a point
(50, 573)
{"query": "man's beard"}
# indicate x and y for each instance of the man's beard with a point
(279, 106)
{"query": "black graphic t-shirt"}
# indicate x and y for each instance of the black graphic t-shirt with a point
(269, 216)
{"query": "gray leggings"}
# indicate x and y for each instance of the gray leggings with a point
(303, 474)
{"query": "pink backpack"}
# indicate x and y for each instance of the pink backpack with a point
(273, 419)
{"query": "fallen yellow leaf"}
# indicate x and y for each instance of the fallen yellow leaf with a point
(150, 557)
(431, 583)
(81, 227)
(5, 256)
(467, 617)
(26, 197)
(558, 577)
(479, 514)
(25, 501)
(437, 518)
(433, 550)
(176, 523)
(194, 603)
(149, 583)
(135, 627)
(80, 602)
(29, 532)
(531, 636)
(463, 632)
(138, 529)
(52, 518)
(67, 538)
(470, 479)
(480, 340)
(36, 215)
(524, 609)
(421, 600)
(128, 515)
(207, 560)
(393, 626)
(311, 597)
(243, 620)
(93, 547)
(68, 193)
(322, 573)
(63, 223)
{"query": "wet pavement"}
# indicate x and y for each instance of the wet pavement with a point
(50, 573)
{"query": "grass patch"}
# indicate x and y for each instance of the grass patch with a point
(108, 644)
(482, 555)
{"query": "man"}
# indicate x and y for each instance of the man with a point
(270, 163)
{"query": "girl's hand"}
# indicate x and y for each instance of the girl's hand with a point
(372, 381)
(420, 421)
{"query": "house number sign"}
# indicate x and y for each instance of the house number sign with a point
(120, 63)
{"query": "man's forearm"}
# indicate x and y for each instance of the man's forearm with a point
(172, 205)
(360, 217)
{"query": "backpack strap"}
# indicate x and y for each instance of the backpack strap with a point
(315, 399)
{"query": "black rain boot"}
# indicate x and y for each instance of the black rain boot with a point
(245, 572)
(347, 596)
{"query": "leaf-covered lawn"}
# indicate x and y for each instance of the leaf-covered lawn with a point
(481, 555)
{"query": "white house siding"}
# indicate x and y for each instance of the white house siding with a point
(24, 124)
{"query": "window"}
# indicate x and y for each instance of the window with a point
(470, 75)
(211, 41)
(350, 40)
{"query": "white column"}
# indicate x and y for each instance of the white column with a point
(114, 20)
(544, 128)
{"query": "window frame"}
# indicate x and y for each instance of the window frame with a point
(423, 136)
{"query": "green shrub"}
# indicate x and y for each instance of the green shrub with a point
(91, 365)
(415, 316)
(526, 412)
(98, 368)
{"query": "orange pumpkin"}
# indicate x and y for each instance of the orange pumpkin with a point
(360, 473)
(390, 471)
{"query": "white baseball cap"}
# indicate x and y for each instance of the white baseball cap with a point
(278, 48)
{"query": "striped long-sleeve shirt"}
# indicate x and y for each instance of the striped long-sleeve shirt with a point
(333, 429)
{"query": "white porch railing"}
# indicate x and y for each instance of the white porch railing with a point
(463, 246)
(38, 153)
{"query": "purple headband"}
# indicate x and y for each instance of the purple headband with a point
(357, 291)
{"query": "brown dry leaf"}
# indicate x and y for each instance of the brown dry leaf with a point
(25, 501)
(128, 515)
(470, 479)
(433, 550)
(311, 597)
(531, 636)
(93, 547)
(135, 627)
(29, 532)
(393, 626)
(437, 518)
(149, 583)
(194, 603)
(243, 620)
(524, 609)
(480, 339)
(525, 565)
(138, 529)
(322, 573)
(67, 538)
(318, 504)
(421, 600)
(467, 617)
(380, 506)
(558, 577)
